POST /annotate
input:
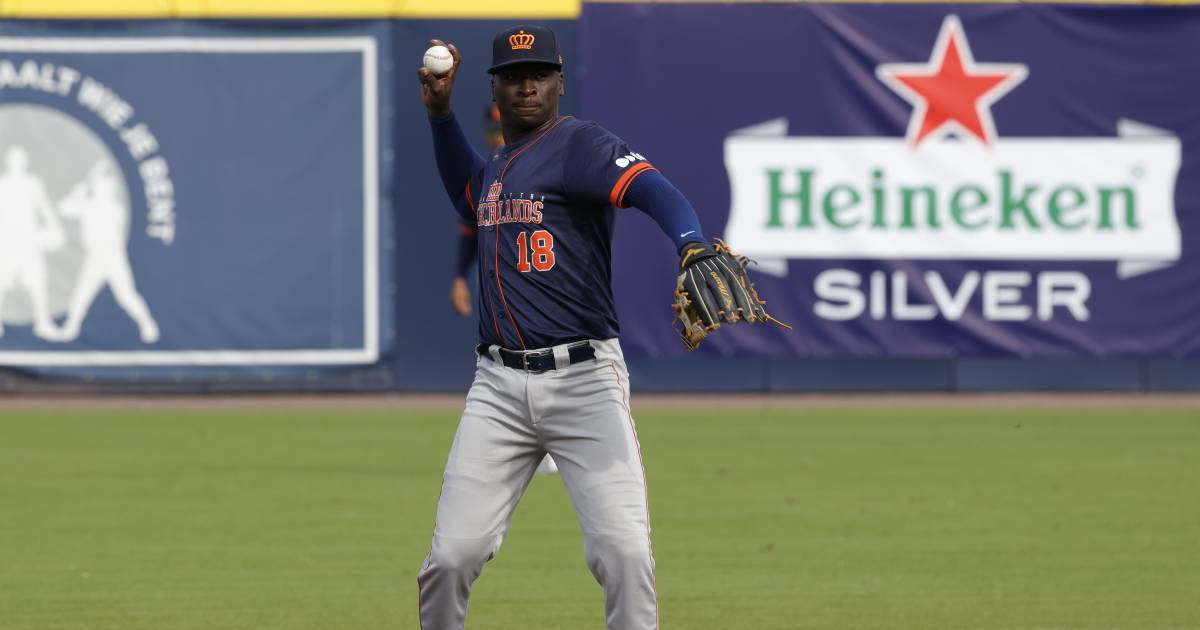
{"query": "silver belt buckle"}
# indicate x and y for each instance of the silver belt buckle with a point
(534, 353)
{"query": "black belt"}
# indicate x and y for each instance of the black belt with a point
(541, 360)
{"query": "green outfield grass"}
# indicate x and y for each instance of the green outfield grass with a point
(829, 519)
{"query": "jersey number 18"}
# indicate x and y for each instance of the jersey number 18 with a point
(542, 244)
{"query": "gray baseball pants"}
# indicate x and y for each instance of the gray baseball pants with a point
(579, 414)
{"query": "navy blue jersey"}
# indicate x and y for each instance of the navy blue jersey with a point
(544, 210)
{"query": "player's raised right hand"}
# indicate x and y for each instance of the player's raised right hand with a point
(435, 90)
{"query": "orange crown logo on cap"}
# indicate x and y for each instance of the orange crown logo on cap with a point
(521, 40)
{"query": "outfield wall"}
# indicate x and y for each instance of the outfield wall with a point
(268, 186)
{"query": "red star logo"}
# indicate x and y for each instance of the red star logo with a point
(951, 94)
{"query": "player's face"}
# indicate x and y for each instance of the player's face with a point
(527, 96)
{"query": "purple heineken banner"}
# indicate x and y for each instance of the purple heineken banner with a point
(917, 181)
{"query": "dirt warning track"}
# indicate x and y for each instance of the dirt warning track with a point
(450, 402)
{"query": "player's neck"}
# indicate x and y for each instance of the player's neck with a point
(513, 135)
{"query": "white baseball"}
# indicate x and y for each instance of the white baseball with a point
(438, 60)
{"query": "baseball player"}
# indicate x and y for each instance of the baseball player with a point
(550, 376)
(460, 291)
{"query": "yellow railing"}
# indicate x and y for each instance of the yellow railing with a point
(1146, 2)
(545, 9)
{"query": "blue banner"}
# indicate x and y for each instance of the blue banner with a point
(926, 181)
(192, 195)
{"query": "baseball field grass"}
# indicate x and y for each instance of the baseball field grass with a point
(763, 519)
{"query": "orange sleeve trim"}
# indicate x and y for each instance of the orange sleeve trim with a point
(617, 196)
(470, 202)
(466, 230)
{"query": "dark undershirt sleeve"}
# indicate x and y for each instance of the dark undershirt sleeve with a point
(458, 163)
(653, 194)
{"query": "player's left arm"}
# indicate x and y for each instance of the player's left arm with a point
(653, 194)
(711, 288)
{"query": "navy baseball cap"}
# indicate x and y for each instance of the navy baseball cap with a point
(525, 44)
